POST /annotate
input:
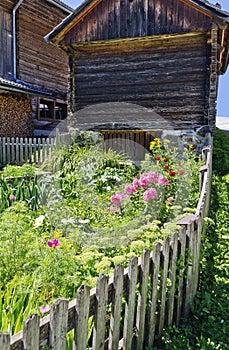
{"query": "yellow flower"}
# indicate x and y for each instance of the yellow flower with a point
(156, 143)
(57, 235)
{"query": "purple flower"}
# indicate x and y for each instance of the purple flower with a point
(163, 181)
(151, 193)
(12, 197)
(130, 189)
(117, 198)
(54, 243)
(44, 309)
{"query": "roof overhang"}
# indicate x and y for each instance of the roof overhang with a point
(9, 86)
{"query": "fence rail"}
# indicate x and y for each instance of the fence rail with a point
(133, 306)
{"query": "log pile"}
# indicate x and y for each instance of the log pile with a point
(15, 117)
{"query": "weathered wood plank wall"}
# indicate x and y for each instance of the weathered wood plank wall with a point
(127, 19)
(39, 63)
(167, 74)
(6, 67)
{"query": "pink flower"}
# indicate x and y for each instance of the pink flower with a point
(130, 189)
(170, 199)
(136, 183)
(143, 181)
(163, 181)
(153, 177)
(54, 243)
(180, 172)
(12, 197)
(44, 309)
(113, 209)
(117, 198)
(151, 193)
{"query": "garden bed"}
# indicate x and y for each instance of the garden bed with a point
(93, 212)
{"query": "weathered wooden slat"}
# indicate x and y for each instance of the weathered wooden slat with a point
(130, 304)
(189, 279)
(31, 333)
(116, 308)
(154, 271)
(172, 278)
(82, 314)
(58, 325)
(164, 275)
(100, 314)
(4, 341)
(181, 267)
(142, 299)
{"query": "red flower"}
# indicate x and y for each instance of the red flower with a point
(166, 160)
(179, 163)
(172, 173)
(166, 167)
(172, 149)
(158, 158)
(193, 147)
(180, 172)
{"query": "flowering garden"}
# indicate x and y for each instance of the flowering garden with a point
(83, 212)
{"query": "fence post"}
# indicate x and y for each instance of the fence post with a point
(116, 308)
(82, 314)
(155, 266)
(58, 325)
(142, 297)
(130, 303)
(100, 313)
(31, 333)
(181, 266)
(172, 277)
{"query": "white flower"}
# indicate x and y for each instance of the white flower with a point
(39, 221)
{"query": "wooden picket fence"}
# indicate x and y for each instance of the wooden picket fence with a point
(15, 150)
(133, 306)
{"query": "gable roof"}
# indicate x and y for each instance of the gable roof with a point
(87, 6)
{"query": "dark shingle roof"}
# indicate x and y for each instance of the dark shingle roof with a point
(22, 87)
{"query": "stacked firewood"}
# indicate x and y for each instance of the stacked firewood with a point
(15, 116)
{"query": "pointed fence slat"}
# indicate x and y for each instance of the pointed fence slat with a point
(155, 266)
(189, 279)
(130, 303)
(164, 275)
(100, 316)
(31, 333)
(58, 325)
(172, 277)
(142, 299)
(4, 341)
(82, 315)
(116, 308)
(181, 268)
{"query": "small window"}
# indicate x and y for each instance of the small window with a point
(49, 109)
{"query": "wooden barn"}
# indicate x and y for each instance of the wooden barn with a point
(33, 74)
(163, 56)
